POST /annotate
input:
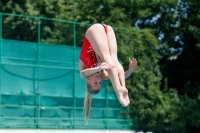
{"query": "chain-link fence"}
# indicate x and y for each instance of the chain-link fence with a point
(40, 86)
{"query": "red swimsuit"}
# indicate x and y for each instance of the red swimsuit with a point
(87, 55)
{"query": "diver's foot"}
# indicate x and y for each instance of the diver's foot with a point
(122, 95)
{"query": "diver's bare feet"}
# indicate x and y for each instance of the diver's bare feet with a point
(122, 95)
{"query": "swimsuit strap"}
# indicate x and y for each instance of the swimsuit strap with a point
(105, 27)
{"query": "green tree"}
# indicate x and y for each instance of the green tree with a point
(178, 29)
(26, 29)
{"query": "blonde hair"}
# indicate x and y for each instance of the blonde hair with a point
(87, 105)
(88, 100)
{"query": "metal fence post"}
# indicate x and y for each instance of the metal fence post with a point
(0, 58)
(38, 76)
(106, 104)
(74, 74)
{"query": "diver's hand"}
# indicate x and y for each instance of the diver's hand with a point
(132, 64)
(105, 65)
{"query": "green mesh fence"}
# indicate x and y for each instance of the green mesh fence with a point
(40, 86)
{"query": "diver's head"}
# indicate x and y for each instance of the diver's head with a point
(93, 87)
(94, 83)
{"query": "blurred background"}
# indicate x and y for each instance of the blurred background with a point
(40, 86)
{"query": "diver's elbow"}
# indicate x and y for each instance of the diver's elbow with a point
(82, 75)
